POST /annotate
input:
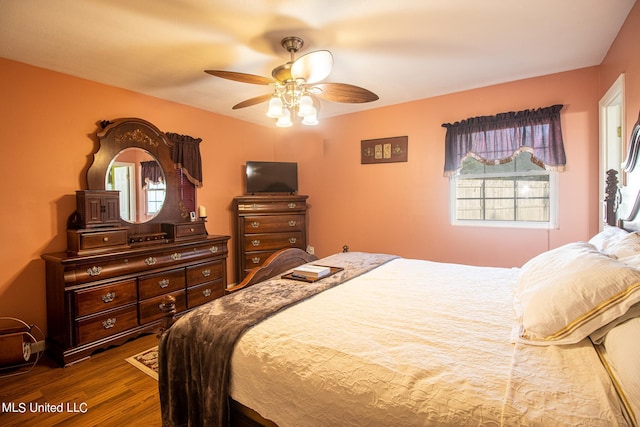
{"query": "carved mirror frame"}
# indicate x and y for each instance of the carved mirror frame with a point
(124, 133)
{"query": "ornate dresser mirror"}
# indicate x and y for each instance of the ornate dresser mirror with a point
(136, 159)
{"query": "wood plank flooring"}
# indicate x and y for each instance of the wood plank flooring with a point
(105, 390)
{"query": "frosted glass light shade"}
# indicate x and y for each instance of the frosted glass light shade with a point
(305, 107)
(284, 121)
(275, 107)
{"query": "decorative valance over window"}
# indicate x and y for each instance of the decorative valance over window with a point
(498, 139)
(186, 154)
(151, 172)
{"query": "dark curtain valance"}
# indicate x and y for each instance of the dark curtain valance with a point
(186, 154)
(151, 172)
(497, 139)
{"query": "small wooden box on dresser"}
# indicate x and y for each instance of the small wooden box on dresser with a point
(266, 224)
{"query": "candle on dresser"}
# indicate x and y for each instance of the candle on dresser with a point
(202, 212)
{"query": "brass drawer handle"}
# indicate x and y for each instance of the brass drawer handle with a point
(105, 239)
(150, 261)
(108, 297)
(206, 293)
(94, 271)
(255, 224)
(291, 205)
(292, 240)
(255, 260)
(163, 283)
(255, 242)
(109, 323)
(206, 273)
(176, 256)
(191, 230)
(213, 249)
(292, 223)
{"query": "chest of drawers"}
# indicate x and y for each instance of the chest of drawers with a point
(266, 224)
(99, 300)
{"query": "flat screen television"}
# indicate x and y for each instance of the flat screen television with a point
(272, 177)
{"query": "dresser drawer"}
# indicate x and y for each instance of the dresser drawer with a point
(109, 323)
(206, 272)
(273, 224)
(150, 308)
(265, 242)
(272, 206)
(201, 294)
(185, 230)
(256, 259)
(94, 300)
(161, 283)
(96, 240)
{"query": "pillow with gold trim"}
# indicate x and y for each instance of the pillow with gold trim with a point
(621, 353)
(565, 294)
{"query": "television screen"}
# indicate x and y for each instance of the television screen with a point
(272, 177)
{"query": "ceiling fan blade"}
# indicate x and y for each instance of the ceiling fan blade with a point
(241, 77)
(313, 67)
(252, 101)
(342, 92)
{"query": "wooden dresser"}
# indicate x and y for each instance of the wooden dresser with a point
(129, 245)
(265, 224)
(96, 301)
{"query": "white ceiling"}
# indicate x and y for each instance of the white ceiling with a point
(402, 50)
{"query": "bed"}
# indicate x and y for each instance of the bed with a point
(393, 341)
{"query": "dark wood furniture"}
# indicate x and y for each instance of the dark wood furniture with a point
(266, 224)
(96, 301)
(107, 287)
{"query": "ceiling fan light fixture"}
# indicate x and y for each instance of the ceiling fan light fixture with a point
(311, 120)
(275, 107)
(284, 121)
(305, 106)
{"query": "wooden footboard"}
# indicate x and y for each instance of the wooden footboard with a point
(276, 264)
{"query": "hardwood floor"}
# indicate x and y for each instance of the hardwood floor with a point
(105, 390)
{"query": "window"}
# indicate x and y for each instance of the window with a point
(516, 193)
(503, 168)
(155, 192)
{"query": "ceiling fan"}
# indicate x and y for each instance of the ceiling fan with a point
(296, 86)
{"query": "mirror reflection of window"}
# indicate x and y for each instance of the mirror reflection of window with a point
(155, 192)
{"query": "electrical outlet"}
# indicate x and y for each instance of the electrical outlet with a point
(311, 250)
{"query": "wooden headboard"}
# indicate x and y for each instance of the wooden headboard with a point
(622, 202)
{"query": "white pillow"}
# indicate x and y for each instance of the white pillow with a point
(598, 336)
(626, 247)
(567, 293)
(607, 237)
(622, 346)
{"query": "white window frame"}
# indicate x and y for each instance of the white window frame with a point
(553, 203)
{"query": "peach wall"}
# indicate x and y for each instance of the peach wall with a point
(46, 143)
(623, 57)
(403, 207)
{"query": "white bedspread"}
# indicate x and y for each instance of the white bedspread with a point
(423, 343)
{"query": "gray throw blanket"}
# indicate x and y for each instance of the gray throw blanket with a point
(195, 353)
